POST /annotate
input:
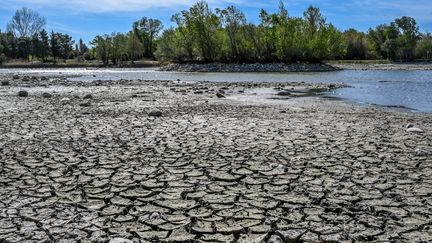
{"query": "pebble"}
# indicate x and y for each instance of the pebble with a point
(155, 113)
(85, 104)
(46, 95)
(120, 240)
(219, 95)
(415, 130)
(284, 93)
(23, 93)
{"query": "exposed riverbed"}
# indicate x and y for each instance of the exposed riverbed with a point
(409, 89)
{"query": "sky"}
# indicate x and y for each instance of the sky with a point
(88, 18)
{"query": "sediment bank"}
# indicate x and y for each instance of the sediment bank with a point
(256, 67)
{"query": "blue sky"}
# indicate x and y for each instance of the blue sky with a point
(87, 18)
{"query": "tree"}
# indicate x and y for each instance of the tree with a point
(424, 47)
(409, 30)
(357, 47)
(102, 47)
(147, 30)
(55, 45)
(233, 20)
(65, 44)
(203, 24)
(81, 49)
(44, 45)
(26, 23)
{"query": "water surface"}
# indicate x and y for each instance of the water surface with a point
(393, 88)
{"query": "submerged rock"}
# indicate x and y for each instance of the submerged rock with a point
(26, 78)
(5, 83)
(87, 97)
(23, 93)
(16, 77)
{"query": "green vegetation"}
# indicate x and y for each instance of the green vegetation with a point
(202, 34)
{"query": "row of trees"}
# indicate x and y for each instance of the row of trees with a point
(223, 35)
(27, 39)
(138, 43)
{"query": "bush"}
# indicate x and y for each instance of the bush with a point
(3, 58)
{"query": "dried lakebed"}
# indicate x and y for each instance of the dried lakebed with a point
(209, 169)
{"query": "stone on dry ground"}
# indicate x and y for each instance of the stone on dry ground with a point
(212, 170)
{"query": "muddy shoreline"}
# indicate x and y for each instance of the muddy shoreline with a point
(96, 162)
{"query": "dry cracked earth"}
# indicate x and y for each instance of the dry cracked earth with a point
(208, 170)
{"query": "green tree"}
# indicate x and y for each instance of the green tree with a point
(424, 47)
(102, 47)
(357, 46)
(409, 36)
(233, 20)
(147, 30)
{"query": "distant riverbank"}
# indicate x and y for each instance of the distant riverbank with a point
(384, 66)
(251, 67)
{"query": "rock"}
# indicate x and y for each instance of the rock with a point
(16, 77)
(5, 83)
(219, 95)
(415, 130)
(120, 240)
(23, 93)
(85, 104)
(87, 97)
(26, 78)
(64, 100)
(284, 93)
(46, 95)
(155, 113)
(421, 152)
(43, 78)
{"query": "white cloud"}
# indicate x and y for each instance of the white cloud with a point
(100, 6)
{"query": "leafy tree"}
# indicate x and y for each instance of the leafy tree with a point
(203, 24)
(147, 30)
(26, 23)
(233, 20)
(409, 36)
(424, 47)
(102, 47)
(357, 46)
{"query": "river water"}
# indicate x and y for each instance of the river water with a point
(406, 89)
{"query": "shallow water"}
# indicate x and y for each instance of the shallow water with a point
(405, 89)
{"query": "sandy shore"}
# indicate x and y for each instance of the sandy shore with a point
(286, 169)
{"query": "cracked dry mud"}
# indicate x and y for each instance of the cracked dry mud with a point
(209, 169)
